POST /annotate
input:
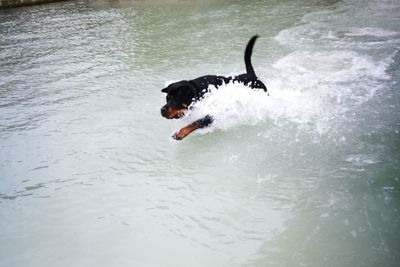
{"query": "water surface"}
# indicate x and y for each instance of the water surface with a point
(307, 176)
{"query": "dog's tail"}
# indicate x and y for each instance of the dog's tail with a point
(247, 56)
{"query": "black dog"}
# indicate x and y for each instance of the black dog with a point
(180, 95)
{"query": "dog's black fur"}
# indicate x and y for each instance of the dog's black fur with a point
(180, 95)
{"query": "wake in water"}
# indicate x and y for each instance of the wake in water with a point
(332, 70)
(308, 88)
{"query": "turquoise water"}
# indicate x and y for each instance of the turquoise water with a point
(307, 176)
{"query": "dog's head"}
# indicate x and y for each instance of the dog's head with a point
(179, 97)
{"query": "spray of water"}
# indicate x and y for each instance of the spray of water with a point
(307, 88)
(333, 69)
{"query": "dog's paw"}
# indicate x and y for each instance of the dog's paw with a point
(182, 133)
(185, 131)
(179, 135)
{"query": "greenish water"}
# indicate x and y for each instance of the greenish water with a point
(307, 176)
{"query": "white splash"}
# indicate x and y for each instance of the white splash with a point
(327, 76)
(369, 31)
(307, 88)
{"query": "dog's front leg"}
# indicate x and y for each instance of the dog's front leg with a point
(200, 123)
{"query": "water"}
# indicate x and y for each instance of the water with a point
(307, 176)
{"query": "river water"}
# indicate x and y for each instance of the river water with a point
(308, 175)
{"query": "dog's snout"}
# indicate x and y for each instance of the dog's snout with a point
(164, 111)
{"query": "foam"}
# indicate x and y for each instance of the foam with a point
(333, 68)
(306, 88)
(370, 31)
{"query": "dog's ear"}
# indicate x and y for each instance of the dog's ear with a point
(165, 90)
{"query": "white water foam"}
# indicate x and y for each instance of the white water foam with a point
(334, 67)
(370, 31)
(307, 88)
